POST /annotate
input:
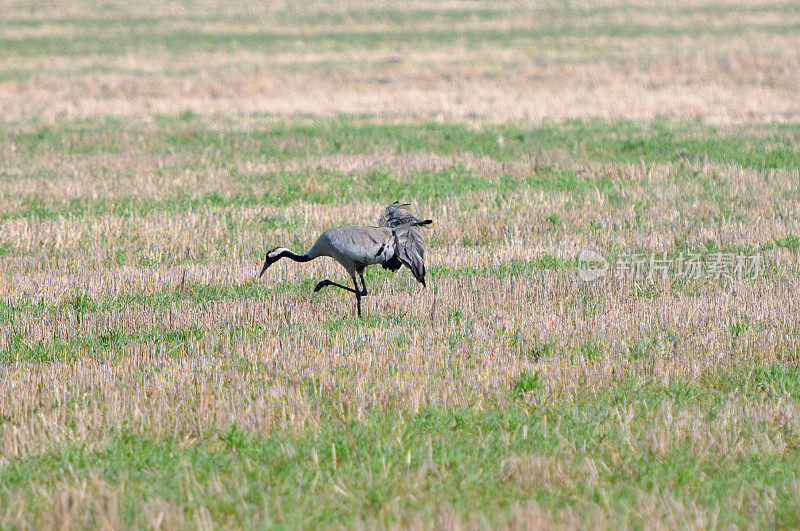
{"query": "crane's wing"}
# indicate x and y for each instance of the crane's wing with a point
(409, 247)
(410, 251)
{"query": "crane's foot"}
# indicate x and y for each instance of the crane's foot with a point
(321, 285)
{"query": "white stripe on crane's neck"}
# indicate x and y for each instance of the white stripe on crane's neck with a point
(277, 251)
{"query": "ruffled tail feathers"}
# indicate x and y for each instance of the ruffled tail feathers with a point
(409, 246)
(396, 216)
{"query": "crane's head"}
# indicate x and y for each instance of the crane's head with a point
(272, 256)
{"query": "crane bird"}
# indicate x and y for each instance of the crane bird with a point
(394, 242)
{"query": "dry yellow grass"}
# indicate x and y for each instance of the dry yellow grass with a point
(131, 231)
(497, 61)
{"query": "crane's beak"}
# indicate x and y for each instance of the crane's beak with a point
(266, 265)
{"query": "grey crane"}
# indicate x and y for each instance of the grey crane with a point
(393, 243)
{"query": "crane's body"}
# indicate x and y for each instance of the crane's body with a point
(356, 246)
(395, 243)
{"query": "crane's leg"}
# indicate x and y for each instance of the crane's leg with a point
(358, 297)
(363, 285)
(327, 282)
(361, 293)
(358, 293)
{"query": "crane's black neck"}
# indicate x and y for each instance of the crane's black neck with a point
(286, 253)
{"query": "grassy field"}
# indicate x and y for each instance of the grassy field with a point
(151, 152)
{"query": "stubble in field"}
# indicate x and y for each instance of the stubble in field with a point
(151, 379)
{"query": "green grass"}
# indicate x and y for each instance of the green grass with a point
(391, 465)
(789, 242)
(113, 17)
(285, 188)
(108, 345)
(618, 143)
(625, 142)
(773, 381)
(506, 269)
(526, 383)
(147, 38)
